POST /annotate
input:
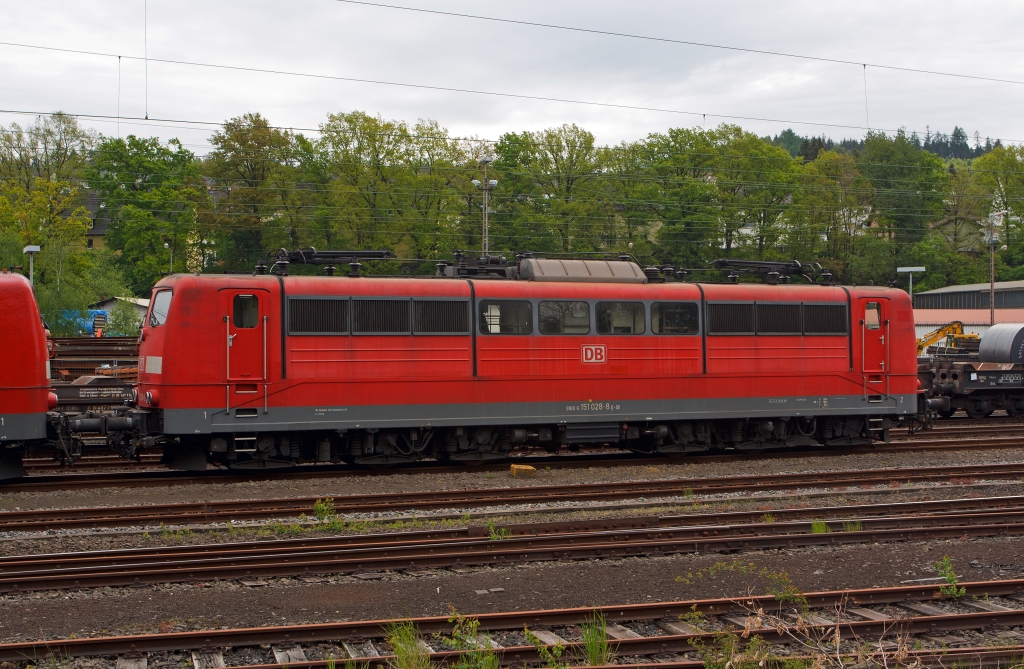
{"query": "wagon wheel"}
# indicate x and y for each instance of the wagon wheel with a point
(1014, 406)
(948, 413)
(978, 410)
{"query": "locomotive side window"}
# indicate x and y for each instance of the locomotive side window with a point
(441, 316)
(161, 306)
(825, 319)
(380, 316)
(506, 317)
(872, 315)
(317, 316)
(246, 311)
(674, 318)
(731, 318)
(774, 318)
(564, 317)
(620, 318)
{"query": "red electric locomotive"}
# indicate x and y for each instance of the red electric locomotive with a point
(25, 393)
(269, 369)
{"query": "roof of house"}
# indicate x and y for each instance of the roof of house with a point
(974, 288)
(139, 301)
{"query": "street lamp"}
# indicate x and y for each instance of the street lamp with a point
(170, 264)
(31, 250)
(992, 241)
(486, 186)
(910, 271)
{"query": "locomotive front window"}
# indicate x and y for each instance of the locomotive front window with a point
(620, 318)
(161, 306)
(674, 318)
(246, 311)
(872, 316)
(565, 317)
(506, 317)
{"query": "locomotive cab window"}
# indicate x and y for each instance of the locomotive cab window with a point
(674, 318)
(161, 307)
(564, 317)
(246, 311)
(620, 318)
(872, 316)
(506, 317)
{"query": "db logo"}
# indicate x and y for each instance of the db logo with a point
(595, 353)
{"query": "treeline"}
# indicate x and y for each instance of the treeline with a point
(954, 145)
(683, 197)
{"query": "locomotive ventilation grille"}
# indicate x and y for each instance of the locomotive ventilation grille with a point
(317, 316)
(333, 315)
(748, 318)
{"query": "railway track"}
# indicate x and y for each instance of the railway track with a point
(644, 632)
(543, 542)
(926, 441)
(681, 489)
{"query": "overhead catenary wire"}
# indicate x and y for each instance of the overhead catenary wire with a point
(708, 45)
(453, 89)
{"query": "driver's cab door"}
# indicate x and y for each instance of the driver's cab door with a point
(246, 335)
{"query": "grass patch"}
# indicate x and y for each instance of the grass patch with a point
(495, 533)
(407, 647)
(820, 527)
(767, 518)
(323, 510)
(852, 526)
(596, 649)
(478, 652)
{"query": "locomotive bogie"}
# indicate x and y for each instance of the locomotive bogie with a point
(475, 444)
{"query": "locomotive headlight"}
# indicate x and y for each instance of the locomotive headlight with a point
(152, 398)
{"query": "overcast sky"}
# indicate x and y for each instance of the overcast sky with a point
(327, 37)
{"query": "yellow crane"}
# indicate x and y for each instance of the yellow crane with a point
(953, 333)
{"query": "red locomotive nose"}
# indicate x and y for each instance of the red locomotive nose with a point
(51, 400)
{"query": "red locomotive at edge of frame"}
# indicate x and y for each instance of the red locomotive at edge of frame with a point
(271, 370)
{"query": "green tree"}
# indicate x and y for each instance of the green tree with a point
(558, 204)
(756, 182)
(153, 194)
(1000, 174)
(908, 184)
(830, 210)
(54, 148)
(68, 275)
(256, 201)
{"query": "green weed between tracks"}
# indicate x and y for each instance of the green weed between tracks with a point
(946, 570)
(596, 649)
(819, 646)
(407, 646)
